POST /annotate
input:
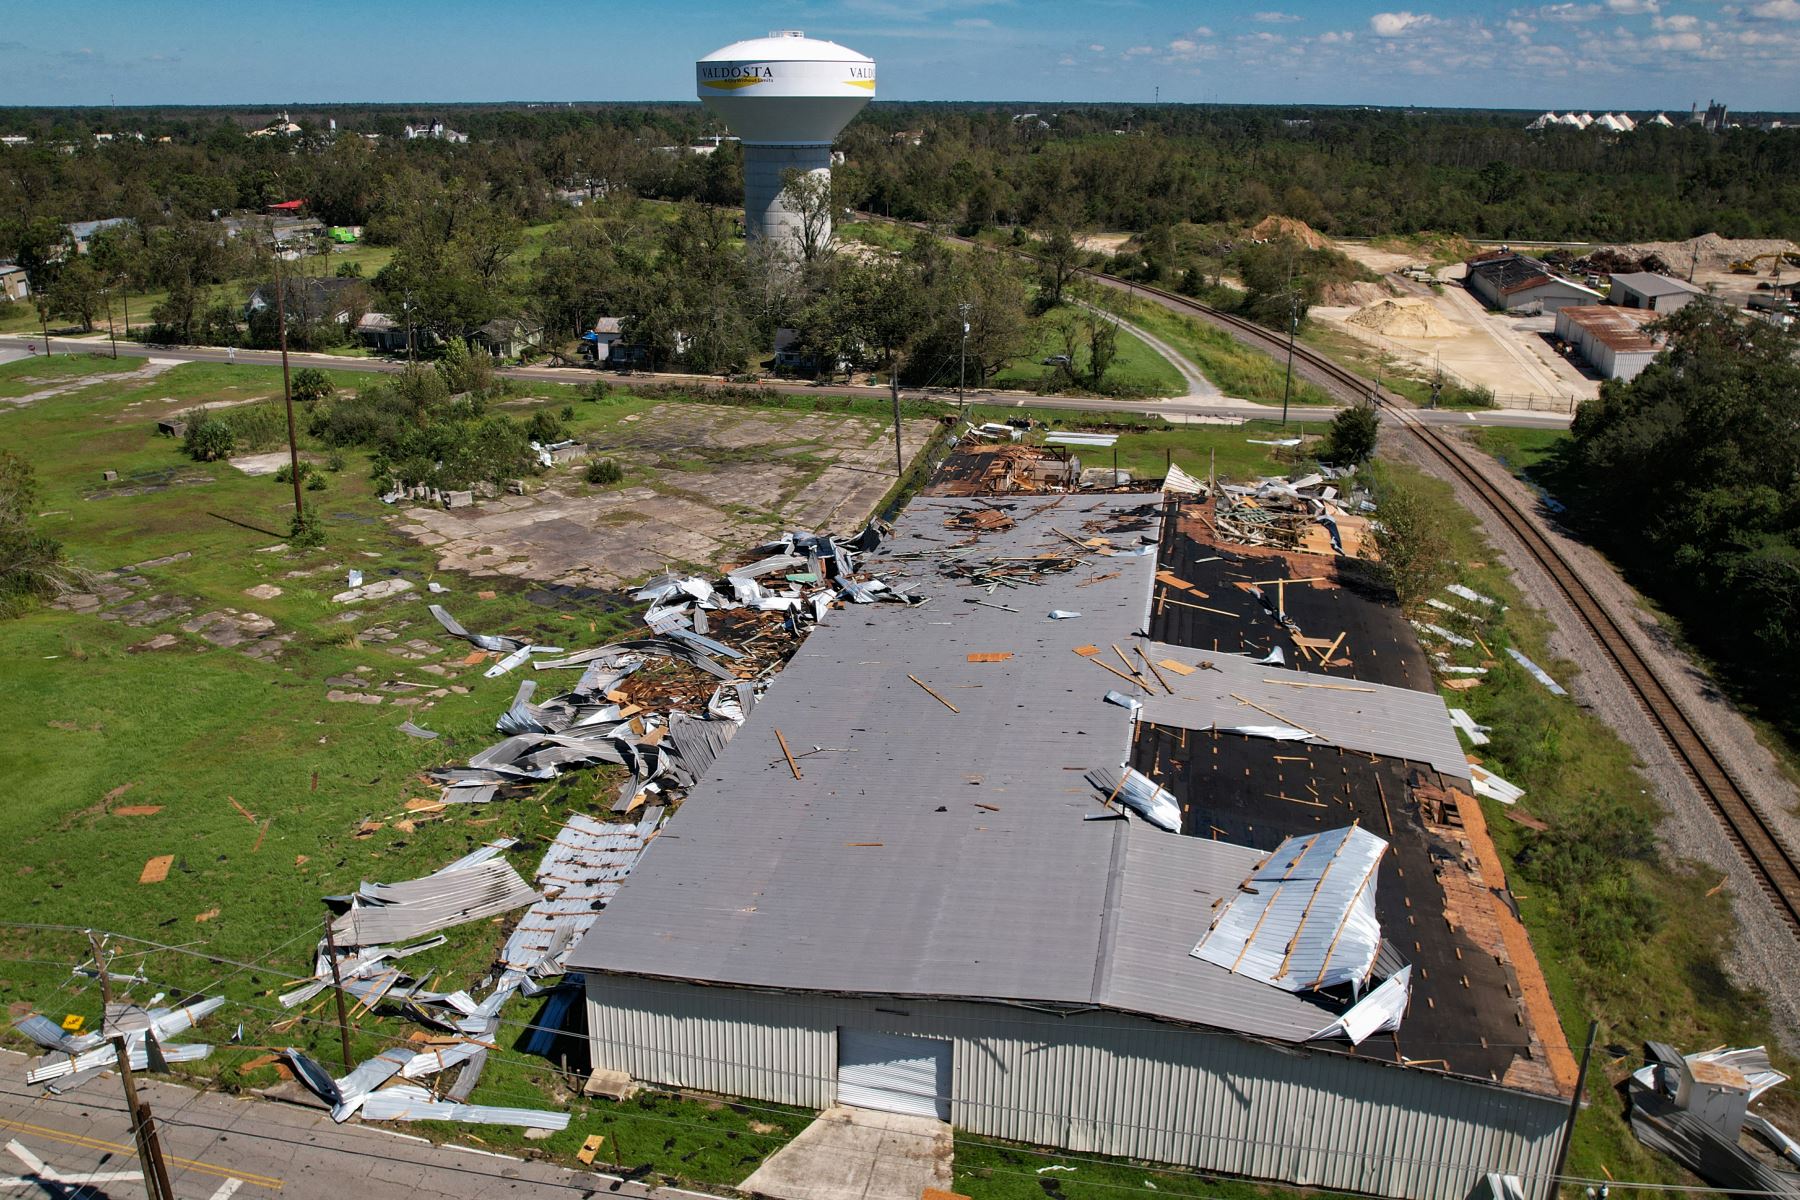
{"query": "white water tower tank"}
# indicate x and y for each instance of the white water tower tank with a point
(787, 97)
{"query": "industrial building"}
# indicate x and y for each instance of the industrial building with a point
(909, 882)
(1648, 290)
(1512, 282)
(787, 96)
(1610, 339)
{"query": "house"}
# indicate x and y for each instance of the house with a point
(789, 361)
(82, 232)
(14, 139)
(14, 283)
(950, 918)
(382, 334)
(597, 343)
(436, 130)
(1513, 282)
(1648, 290)
(508, 337)
(312, 301)
(1609, 338)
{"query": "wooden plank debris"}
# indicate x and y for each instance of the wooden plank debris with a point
(157, 869)
(990, 656)
(933, 694)
(788, 754)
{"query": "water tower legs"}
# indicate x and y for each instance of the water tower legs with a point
(766, 214)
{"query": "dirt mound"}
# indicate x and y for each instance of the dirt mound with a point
(1273, 228)
(1709, 251)
(1353, 294)
(1407, 318)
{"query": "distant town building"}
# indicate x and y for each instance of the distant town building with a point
(436, 130)
(1516, 282)
(280, 127)
(14, 139)
(1608, 338)
(1647, 290)
(313, 301)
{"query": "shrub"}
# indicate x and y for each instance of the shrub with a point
(285, 473)
(306, 531)
(315, 482)
(1353, 435)
(32, 565)
(596, 391)
(604, 471)
(334, 461)
(546, 427)
(208, 440)
(311, 384)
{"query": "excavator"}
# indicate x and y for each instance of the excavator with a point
(1750, 266)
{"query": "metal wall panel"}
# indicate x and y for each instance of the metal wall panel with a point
(1102, 1082)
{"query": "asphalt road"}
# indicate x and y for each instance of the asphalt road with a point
(1178, 410)
(216, 1146)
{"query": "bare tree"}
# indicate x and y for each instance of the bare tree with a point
(807, 194)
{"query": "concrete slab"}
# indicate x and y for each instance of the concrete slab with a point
(858, 1154)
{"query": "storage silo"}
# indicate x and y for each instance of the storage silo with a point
(786, 96)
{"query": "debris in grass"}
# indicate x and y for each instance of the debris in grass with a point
(157, 869)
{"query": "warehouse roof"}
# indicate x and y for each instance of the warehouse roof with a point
(1519, 273)
(1621, 329)
(926, 851)
(1648, 283)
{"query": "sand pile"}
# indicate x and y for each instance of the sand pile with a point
(1715, 252)
(1407, 319)
(1273, 228)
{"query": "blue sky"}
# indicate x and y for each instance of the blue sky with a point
(1590, 54)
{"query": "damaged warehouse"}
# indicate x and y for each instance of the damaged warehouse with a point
(942, 907)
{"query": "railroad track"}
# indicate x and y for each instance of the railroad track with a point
(1774, 865)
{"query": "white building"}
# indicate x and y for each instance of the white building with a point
(1610, 339)
(437, 130)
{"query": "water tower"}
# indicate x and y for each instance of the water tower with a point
(786, 96)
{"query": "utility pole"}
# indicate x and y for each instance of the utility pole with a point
(111, 333)
(337, 988)
(1287, 387)
(287, 390)
(143, 1134)
(962, 373)
(1568, 1137)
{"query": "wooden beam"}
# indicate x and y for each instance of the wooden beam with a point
(788, 754)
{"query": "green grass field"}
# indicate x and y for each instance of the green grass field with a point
(195, 731)
(1137, 370)
(1236, 369)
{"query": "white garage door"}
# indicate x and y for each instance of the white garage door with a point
(894, 1073)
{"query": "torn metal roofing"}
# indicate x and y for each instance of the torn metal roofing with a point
(1304, 918)
(1235, 692)
(579, 874)
(462, 892)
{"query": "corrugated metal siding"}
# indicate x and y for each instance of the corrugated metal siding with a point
(1101, 1082)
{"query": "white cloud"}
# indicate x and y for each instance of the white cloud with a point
(1395, 24)
(1097, 48)
(1275, 18)
(974, 23)
(1776, 10)
(1566, 12)
(1140, 51)
(1677, 22)
(1631, 8)
(1520, 28)
(1336, 38)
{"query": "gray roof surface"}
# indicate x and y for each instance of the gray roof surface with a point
(760, 880)
(1649, 283)
(764, 881)
(1389, 721)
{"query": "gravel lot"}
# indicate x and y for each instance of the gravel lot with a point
(1766, 955)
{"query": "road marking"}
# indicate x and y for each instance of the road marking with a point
(227, 1188)
(205, 1168)
(53, 1182)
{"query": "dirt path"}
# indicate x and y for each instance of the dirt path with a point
(1199, 387)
